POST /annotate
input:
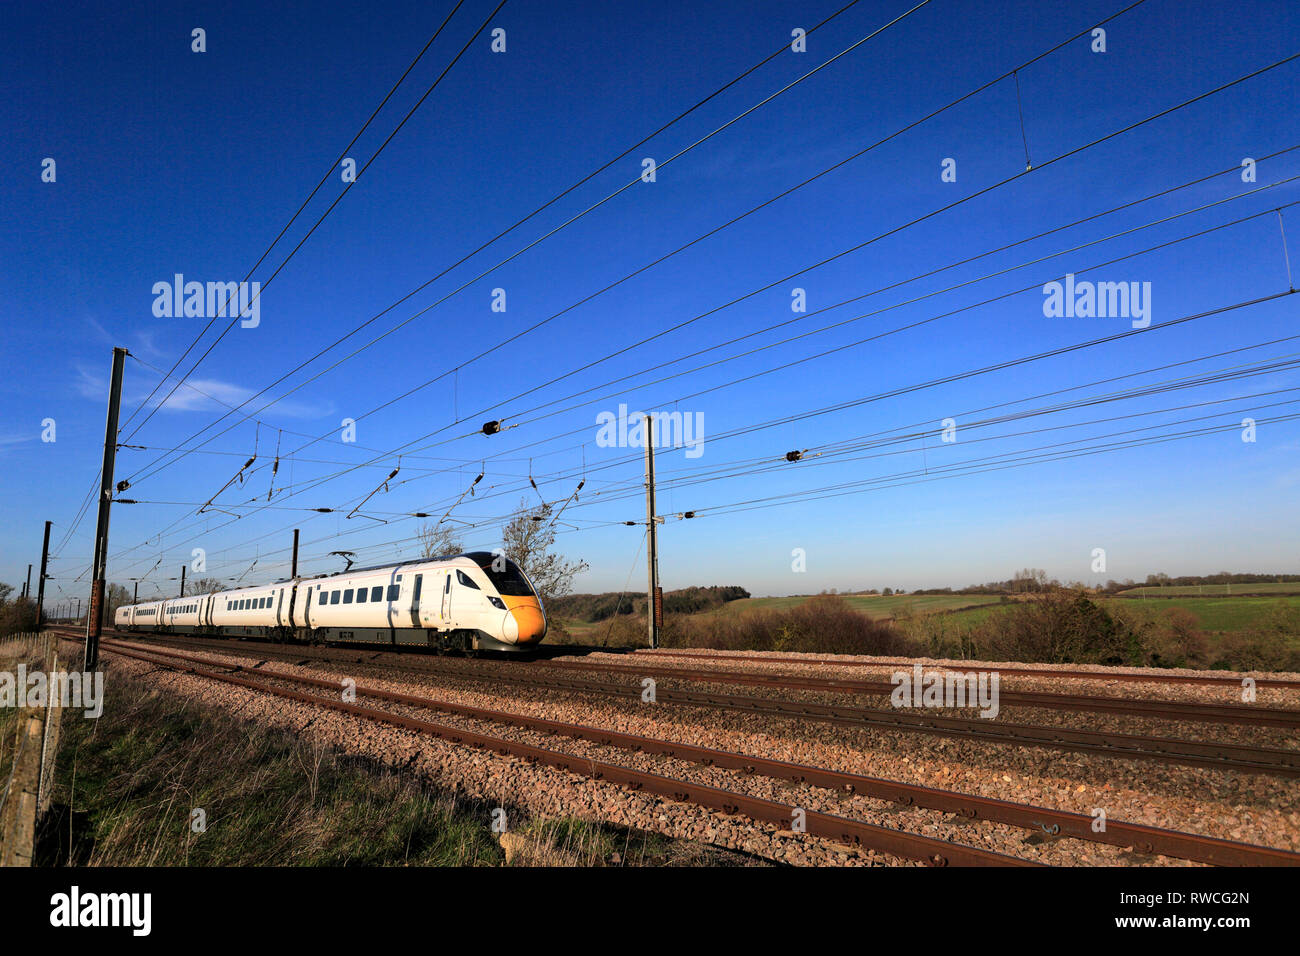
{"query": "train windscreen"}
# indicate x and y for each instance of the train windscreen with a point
(510, 581)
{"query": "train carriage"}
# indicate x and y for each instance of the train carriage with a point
(473, 601)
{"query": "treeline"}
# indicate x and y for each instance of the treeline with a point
(1036, 581)
(1223, 577)
(601, 607)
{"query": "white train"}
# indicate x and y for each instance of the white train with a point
(474, 601)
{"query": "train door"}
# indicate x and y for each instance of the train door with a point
(446, 597)
(415, 600)
(306, 609)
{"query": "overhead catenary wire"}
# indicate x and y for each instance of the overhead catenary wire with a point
(1010, 363)
(405, 448)
(317, 481)
(639, 271)
(551, 232)
(680, 325)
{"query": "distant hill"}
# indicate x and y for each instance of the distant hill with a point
(600, 607)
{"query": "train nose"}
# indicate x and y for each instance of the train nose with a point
(525, 625)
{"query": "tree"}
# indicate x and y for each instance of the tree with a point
(205, 586)
(1029, 579)
(439, 540)
(17, 616)
(114, 597)
(528, 539)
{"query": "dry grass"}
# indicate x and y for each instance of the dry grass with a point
(127, 784)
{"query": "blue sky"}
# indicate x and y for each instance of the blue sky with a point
(170, 161)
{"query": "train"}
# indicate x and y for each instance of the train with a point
(476, 601)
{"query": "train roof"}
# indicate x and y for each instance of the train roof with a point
(478, 557)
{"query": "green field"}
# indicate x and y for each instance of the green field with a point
(1227, 613)
(1221, 614)
(1213, 590)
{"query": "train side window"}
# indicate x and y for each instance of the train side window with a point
(347, 596)
(334, 597)
(393, 591)
(362, 594)
(324, 597)
(377, 593)
(466, 580)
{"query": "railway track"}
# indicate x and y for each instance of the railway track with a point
(1143, 839)
(1217, 713)
(1109, 677)
(1211, 755)
(898, 843)
(1136, 707)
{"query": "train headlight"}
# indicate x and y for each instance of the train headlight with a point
(497, 602)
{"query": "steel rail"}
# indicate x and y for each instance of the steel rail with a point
(1122, 677)
(1129, 706)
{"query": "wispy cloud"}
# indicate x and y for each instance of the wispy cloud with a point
(199, 395)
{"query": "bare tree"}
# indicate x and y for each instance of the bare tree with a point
(205, 586)
(1029, 579)
(439, 540)
(528, 539)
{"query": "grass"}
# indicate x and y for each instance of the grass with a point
(126, 786)
(1215, 615)
(1229, 613)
